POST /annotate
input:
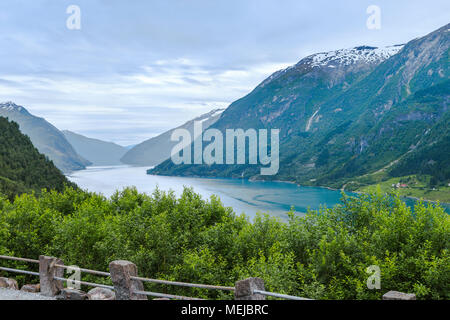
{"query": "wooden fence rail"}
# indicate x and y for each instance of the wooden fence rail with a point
(127, 285)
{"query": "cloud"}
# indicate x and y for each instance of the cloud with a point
(139, 68)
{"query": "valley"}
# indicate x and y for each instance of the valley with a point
(233, 150)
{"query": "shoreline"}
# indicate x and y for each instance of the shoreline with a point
(357, 192)
(446, 204)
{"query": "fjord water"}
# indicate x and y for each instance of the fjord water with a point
(249, 197)
(275, 198)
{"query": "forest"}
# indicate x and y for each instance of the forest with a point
(22, 167)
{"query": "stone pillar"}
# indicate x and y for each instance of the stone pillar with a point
(244, 289)
(395, 295)
(121, 272)
(47, 271)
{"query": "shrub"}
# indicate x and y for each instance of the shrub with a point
(323, 254)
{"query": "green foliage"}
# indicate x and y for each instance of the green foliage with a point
(22, 167)
(323, 254)
(414, 186)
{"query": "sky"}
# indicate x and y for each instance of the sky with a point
(137, 68)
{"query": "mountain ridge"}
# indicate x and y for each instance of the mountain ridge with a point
(328, 115)
(157, 149)
(98, 152)
(45, 137)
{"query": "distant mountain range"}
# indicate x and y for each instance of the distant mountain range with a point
(71, 151)
(155, 150)
(45, 137)
(22, 167)
(98, 152)
(349, 117)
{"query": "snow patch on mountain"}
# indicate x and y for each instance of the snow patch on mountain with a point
(210, 115)
(11, 106)
(310, 120)
(342, 57)
(351, 56)
(217, 112)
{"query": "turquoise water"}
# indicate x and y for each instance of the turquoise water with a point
(243, 196)
(249, 197)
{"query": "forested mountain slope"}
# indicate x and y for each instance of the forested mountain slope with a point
(45, 137)
(22, 167)
(349, 113)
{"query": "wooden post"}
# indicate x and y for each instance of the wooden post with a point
(47, 271)
(244, 289)
(121, 272)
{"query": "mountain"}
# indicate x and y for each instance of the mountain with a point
(347, 114)
(22, 167)
(430, 156)
(155, 150)
(98, 152)
(45, 137)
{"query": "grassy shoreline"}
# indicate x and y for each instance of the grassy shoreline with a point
(415, 191)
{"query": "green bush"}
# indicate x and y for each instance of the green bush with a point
(323, 254)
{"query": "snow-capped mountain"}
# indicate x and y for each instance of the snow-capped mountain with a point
(358, 57)
(350, 56)
(347, 113)
(362, 57)
(11, 106)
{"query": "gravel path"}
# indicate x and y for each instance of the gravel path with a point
(8, 294)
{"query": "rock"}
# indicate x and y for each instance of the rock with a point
(8, 283)
(395, 295)
(121, 272)
(72, 294)
(101, 294)
(31, 288)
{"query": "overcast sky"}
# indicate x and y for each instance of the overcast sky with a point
(138, 68)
